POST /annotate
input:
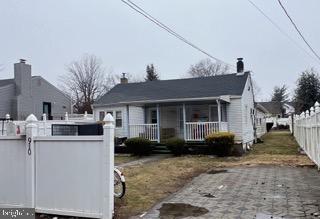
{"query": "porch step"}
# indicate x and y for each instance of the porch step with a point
(161, 149)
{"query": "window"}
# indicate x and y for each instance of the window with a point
(118, 119)
(154, 119)
(224, 113)
(101, 115)
(111, 113)
(214, 113)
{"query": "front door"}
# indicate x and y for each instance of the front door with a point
(47, 110)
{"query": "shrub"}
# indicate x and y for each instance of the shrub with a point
(139, 146)
(176, 146)
(220, 143)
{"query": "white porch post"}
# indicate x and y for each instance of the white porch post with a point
(219, 114)
(184, 122)
(158, 123)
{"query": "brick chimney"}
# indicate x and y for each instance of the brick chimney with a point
(124, 79)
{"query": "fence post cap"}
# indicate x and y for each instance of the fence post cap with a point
(312, 110)
(307, 113)
(31, 118)
(108, 119)
(317, 104)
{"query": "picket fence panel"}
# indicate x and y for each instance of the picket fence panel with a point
(306, 129)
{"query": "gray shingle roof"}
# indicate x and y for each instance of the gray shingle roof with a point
(273, 107)
(215, 86)
(6, 82)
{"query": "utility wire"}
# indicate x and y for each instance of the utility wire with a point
(147, 15)
(298, 30)
(281, 30)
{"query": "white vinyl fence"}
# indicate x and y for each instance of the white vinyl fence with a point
(44, 126)
(63, 175)
(306, 129)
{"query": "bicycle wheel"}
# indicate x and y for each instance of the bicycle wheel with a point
(119, 186)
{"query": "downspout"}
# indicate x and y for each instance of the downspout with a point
(128, 122)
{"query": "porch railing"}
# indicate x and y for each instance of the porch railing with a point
(148, 131)
(197, 131)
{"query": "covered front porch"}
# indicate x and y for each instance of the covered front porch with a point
(191, 121)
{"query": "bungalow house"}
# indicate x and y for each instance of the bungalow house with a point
(25, 94)
(185, 108)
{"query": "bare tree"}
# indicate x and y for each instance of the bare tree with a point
(84, 82)
(206, 68)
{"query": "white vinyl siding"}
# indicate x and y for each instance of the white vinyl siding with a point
(136, 115)
(247, 102)
(234, 112)
(260, 123)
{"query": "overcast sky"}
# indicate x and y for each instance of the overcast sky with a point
(51, 34)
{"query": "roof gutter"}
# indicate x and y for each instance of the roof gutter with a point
(223, 98)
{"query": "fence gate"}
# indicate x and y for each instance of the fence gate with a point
(13, 175)
(63, 175)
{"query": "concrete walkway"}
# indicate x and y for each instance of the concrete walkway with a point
(246, 192)
(145, 160)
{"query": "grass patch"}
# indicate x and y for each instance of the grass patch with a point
(277, 142)
(151, 183)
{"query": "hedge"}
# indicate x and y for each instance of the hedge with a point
(176, 146)
(139, 146)
(220, 143)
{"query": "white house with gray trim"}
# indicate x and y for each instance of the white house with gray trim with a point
(185, 108)
(26, 94)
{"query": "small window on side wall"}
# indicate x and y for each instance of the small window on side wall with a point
(101, 115)
(118, 119)
(154, 117)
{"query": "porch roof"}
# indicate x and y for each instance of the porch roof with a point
(179, 89)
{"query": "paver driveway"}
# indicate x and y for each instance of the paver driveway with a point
(246, 192)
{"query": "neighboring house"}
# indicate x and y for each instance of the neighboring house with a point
(277, 112)
(261, 123)
(26, 94)
(185, 108)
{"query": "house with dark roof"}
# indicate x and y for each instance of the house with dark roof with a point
(26, 94)
(185, 108)
(277, 113)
